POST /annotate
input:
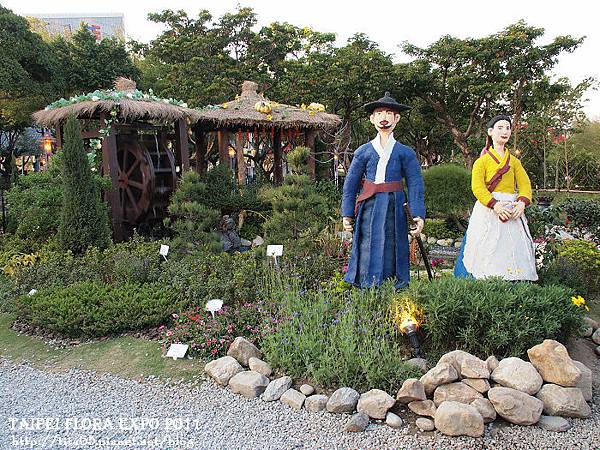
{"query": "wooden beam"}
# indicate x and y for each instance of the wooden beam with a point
(223, 141)
(277, 158)
(200, 146)
(110, 166)
(309, 141)
(182, 155)
(241, 162)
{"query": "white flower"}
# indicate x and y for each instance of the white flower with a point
(129, 95)
(165, 100)
(184, 105)
(95, 98)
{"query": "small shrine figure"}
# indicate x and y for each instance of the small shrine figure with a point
(498, 242)
(380, 241)
(229, 237)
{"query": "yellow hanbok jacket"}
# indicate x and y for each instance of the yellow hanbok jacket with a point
(491, 173)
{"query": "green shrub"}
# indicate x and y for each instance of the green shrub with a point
(84, 216)
(200, 277)
(584, 215)
(337, 340)
(92, 309)
(585, 257)
(440, 229)
(301, 211)
(494, 317)
(32, 207)
(448, 191)
(542, 219)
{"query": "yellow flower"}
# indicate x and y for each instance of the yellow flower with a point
(269, 117)
(579, 301)
(225, 105)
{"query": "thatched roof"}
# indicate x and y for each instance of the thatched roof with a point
(242, 112)
(132, 105)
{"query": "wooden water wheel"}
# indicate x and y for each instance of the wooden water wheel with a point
(146, 178)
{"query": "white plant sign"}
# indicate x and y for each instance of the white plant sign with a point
(177, 351)
(214, 305)
(164, 251)
(274, 251)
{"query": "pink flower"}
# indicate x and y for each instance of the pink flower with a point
(345, 268)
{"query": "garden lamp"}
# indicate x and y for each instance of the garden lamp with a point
(408, 316)
(409, 328)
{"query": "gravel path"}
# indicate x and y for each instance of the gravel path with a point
(217, 419)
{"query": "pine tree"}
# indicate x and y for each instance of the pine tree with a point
(84, 217)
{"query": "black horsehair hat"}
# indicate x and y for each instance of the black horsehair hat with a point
(498, 118)
(387, 101)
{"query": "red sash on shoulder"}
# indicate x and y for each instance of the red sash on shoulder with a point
(491, 185)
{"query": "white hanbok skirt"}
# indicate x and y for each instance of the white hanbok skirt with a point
(499, 249)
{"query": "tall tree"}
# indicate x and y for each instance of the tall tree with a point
(464, 80)
(84, 216)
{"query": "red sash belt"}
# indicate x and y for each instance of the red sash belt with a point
(370, 189)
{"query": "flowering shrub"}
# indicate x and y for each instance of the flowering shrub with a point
(210, 337)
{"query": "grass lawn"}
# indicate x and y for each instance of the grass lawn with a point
(125, 356)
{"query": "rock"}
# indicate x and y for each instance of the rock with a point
(357, 423)
(343, 400)
(293, 398)
(423, 407)
(424, 424)
(485, 408)
(586, 331)
(258, 365)
(585, 382)
(222, 369)
(457, 392)
(423, 237)
(375, 403)
(441, 242)
(307, 389)
(457, 244)
(492, 363)
(257, 241)
(411, 390)
(458, 419)
(591, 323)
(553, 423)
(596, 337)
(515, 406)
(419, 363)
(554, 364)
(315, 403)
(597, 350)
(479, 384)
(250, 384)
(276, 389)
(394, 421)
(245, 242)
(431, 240)
(467, 365)
(563, 401)
(242, 350)
(442, 373)
(518, 374)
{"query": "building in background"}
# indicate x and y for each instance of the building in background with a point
(102, 25)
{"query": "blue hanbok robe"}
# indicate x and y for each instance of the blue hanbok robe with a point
(380, 242)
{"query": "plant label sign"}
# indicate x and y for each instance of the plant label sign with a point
(164, 250)
(177, 351)
(274, 250)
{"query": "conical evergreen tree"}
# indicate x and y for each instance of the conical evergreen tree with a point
(84, 217)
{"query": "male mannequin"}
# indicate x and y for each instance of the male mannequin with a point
(380, 242)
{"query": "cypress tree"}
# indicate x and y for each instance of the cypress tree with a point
(84, 216)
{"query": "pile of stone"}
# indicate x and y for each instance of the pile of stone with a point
(457, 396)
(449, 242)
(591, 330)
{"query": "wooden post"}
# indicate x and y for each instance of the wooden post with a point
(200, 136)
(241, 162)
(309, 141)
(223, 142)
(110, 167)
(277, 158)
(59, 137)
(182, 155)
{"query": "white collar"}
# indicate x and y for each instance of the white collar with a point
(388, 146)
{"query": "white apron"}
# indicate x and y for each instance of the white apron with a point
(499, 249)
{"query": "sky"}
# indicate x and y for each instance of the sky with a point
(388, 23)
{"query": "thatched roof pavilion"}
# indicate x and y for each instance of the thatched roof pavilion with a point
(136, 130)
(251, 112)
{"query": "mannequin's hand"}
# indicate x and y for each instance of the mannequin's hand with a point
(419, 227)
(348, 223)
(501, 208)
(518, 210)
